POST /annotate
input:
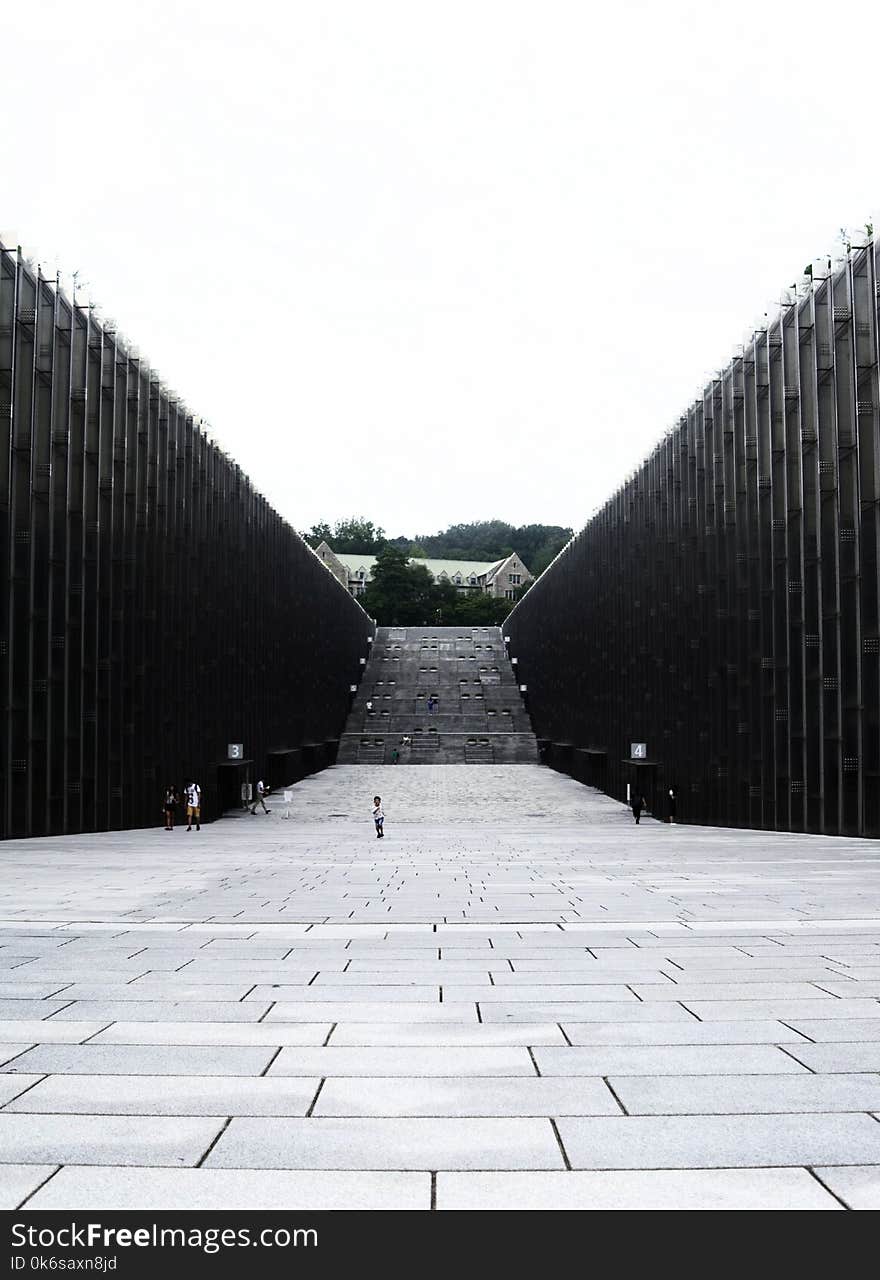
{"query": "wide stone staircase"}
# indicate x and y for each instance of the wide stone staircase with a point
(480, 717)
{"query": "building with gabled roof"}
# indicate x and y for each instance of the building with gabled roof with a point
(491, 578)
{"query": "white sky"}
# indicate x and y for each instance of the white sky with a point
(432, 263)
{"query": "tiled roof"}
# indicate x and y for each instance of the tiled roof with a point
(467, 568)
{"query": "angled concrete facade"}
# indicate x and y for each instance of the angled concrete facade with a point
(722, 608)
(141, 626)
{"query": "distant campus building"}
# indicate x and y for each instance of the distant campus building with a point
(498, 578)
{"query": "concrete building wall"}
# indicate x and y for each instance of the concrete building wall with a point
(724, 606)
(153, 607)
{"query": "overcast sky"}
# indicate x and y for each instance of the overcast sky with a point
(431, 263)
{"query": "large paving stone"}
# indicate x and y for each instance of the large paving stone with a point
(167, 1095)
(230, 1189)
(564, 1011)
(106, 1011)
(450, 1033)
(273, 1034)
(145, 1060)
(405, 1061)
(12, 1086)
(839, 1057)
(859, 1188)
(744, 1094)
(839, 1030)
(101, 1139)
(19, 1180)
(372, 1011)
(706, 1142)
(690, 1032)
(636, 1189)
(395, 1096)
(664, 1060)
(320, 1143)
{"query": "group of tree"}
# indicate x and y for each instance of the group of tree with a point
(482, 540)
(403, 594)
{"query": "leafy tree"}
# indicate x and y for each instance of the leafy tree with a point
(536, 544)
(356, 535)
(486, 540)
(399, 594)
(405, 595)
(320, 532)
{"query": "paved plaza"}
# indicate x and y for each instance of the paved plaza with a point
(517, 1000)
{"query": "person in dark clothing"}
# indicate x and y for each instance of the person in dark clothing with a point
(171, 802)
(672, 804)
(638, 804)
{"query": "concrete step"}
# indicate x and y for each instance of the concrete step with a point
(480, 716)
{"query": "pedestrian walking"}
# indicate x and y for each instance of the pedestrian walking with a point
(432, 705)
(170, 804)
(193, 793)
(672, 804)
(261, 792)
(378, 817)
(638, 804)
(395, 755)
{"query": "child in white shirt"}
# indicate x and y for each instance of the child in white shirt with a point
(378, 816)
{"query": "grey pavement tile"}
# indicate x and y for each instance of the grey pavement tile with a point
(832, 1058)
(12, 1085)
(746, 1094)
(769, 991)
(98, 1139)
(230, 1190)
(635, 1189)
(583, 1011)
(147, 1060)
(420, 976)
(168, 1095)
(418, 1060)
(324, 1143)
(429, 964)
(9, 1052)
(373, 1011)
(784, 1010)
(838, 1030)
(703, 1142)
(544, 992)
(35, 990)
(566, 977)
(167, 1011)
(450, 1033)
(218, 1033)
(666, 1060)
(690, 1032)
(142, 991)
(17, 1181)
(302, 975)
(29, 1010)
(838, 986)
(414, 993)
(733, 977)
(441, 1096)
(858, 1187)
